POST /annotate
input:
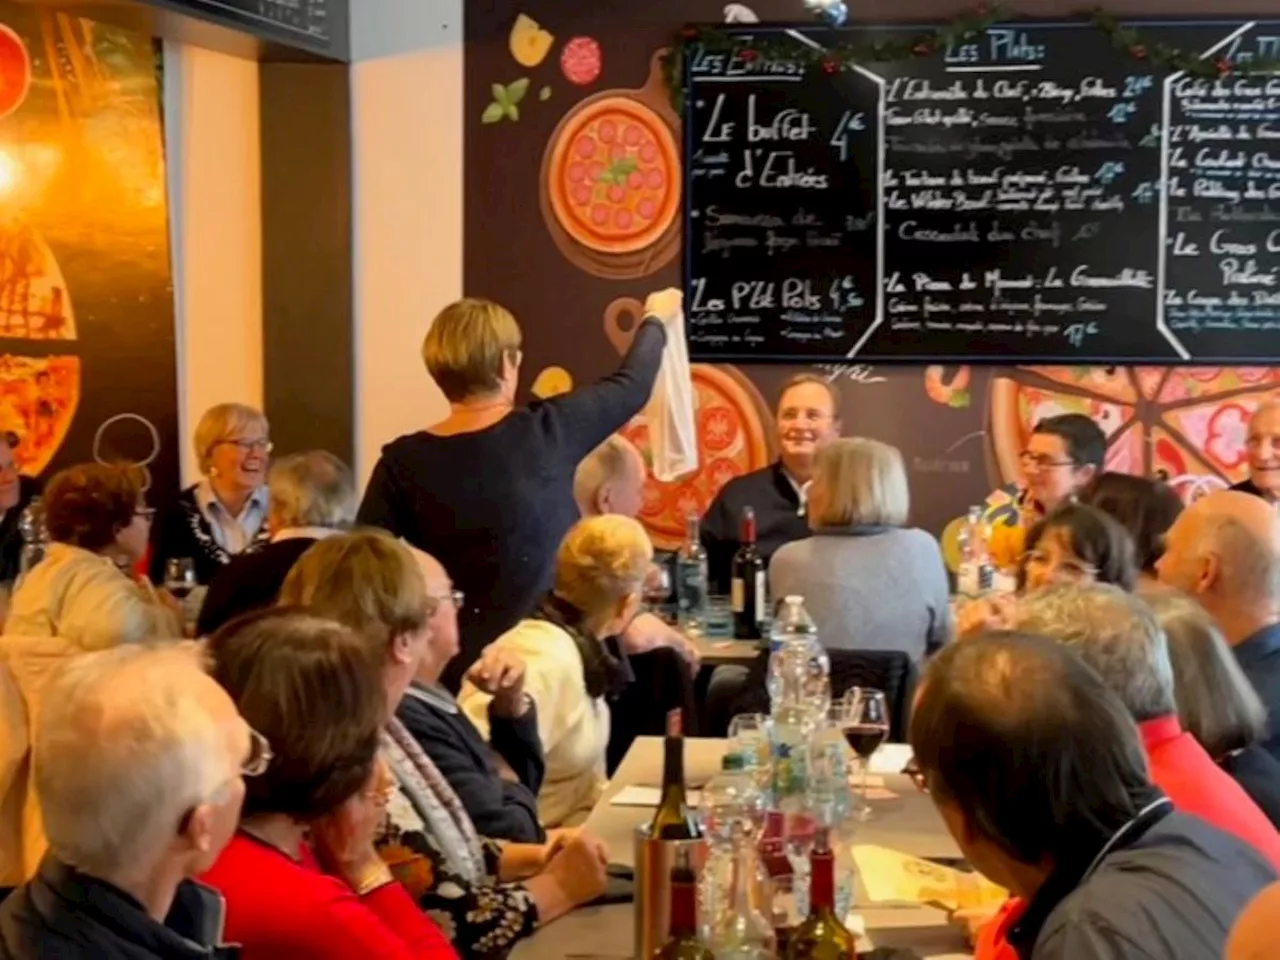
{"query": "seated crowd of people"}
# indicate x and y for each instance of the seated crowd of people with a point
(398, 714)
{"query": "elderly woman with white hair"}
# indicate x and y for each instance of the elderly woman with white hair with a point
(869, 581)
(569, 670)
(225, 513)
(313, 496)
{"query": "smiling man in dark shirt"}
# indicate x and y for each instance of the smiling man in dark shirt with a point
(1225, 550)
(808, 416)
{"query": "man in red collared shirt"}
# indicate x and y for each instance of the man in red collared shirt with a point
(1119, 638)
(1115, 634)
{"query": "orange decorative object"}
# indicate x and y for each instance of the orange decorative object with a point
(15, 71)
(735, 436)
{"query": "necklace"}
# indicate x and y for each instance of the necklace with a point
(260, 837)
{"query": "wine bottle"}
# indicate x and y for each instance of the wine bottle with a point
(747, 586)
(683, 942)
(822, 935)
(674, 819)
(691, 579)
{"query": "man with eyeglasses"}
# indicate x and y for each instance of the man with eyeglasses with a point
(498, 781)
(139, 758)
(1063, 453)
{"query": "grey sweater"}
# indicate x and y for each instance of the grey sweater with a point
(869, 588)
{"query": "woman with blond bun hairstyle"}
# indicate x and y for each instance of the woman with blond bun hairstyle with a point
(488, 491)
(569, 672)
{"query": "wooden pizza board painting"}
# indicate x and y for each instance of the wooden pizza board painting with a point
(610, 182)
(1187, 425)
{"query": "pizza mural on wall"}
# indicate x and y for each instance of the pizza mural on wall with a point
(1187, 425)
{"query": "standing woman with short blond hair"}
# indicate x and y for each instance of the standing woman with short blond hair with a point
(488, 491)
(225, 513)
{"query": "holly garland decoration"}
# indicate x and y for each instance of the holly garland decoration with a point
(834, 58)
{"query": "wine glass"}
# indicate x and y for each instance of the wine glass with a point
(866, 726)
(180, 576)
(657, 588)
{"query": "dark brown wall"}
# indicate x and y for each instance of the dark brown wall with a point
(306, 257)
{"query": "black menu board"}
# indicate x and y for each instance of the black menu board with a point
(316, 25)
(1032, 194)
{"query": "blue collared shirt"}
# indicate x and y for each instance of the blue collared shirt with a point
(1259, 657)
(232, 534)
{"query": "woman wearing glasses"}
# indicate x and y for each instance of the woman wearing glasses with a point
(81, 590)
(301, 877)
(225, 513)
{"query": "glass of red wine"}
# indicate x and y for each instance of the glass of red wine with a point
(866, 726)
(180, 576)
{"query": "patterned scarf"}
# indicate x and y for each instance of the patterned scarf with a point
(433, 806)
(605, 674)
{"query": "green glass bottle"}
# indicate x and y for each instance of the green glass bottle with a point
(822, 935)
(674, 820)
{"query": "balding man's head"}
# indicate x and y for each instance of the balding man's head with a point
(1113, 632)
(1029, 757)
(138, 757)
(1225, 550)
(611, 479)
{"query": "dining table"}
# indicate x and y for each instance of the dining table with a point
(902, 819)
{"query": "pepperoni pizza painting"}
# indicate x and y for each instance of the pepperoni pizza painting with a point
(611, 182)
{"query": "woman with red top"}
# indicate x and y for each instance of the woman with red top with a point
(301, 878)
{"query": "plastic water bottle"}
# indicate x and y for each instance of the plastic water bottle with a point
(976, 574)
(34, 537)
(796, 655)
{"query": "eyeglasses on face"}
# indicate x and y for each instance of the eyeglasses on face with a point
(1042, 461)
(248, 446)
(1066, 567)
(456, 597)
(259, 757)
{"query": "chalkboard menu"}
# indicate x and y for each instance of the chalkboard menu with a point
(1033, 194)
(316, 25)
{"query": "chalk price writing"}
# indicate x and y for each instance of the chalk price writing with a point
(1076, 332)
(1137, 86)
(845, 296)
(1121, 112)
(1109, 171)
(849, 123)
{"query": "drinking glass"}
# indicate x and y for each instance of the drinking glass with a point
(180, 576)
(866, 726)
(657, 588)
(749, 739)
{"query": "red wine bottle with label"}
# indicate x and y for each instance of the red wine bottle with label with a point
(748, 584)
